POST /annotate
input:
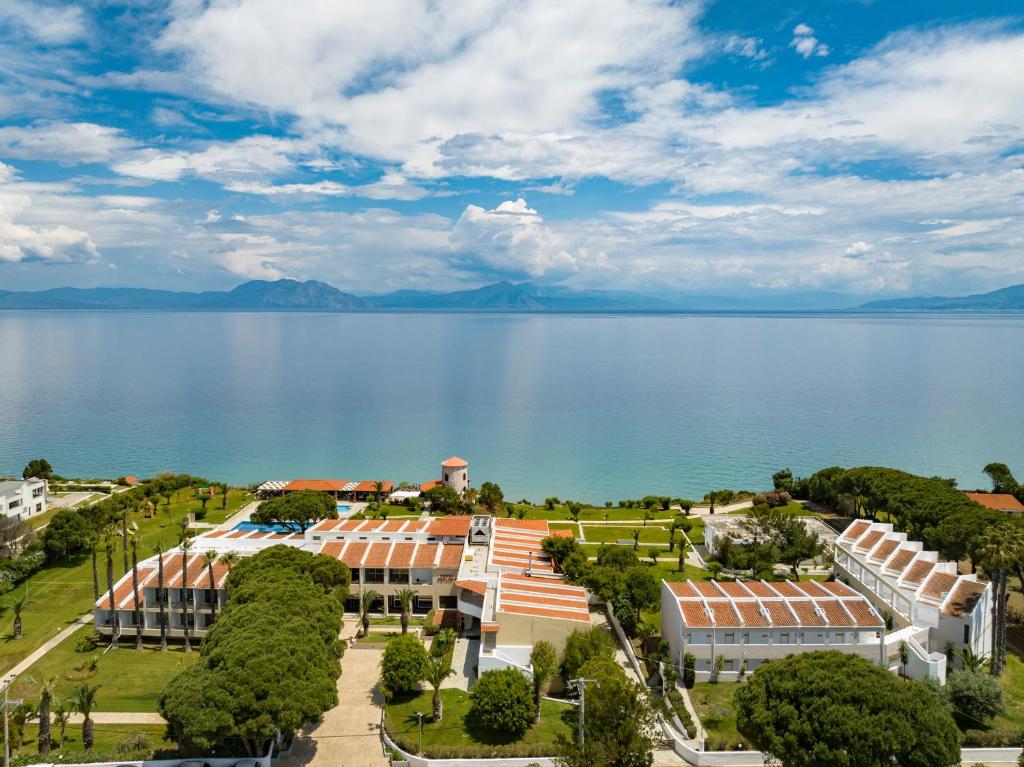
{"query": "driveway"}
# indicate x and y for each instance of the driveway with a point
(349, 734)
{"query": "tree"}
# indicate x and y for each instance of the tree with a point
(109, 535)
(653, 553)
(715, 568)
(636, 540)
(620, 727)
(83, 701)
(436, 672)
(822, 709)
(161, 593)
(186, 551)
(684, 547)
(584, 645)
(559, 547)
(1000, 549)
(18, 607)
(94, 542)
(904, 652)
(1002, 478)
(405, 599)
(296, 511)
(544, 664)
(61, 715)
(37, 468)
(643, 589)
(782, 480)
(269, 664)
(444, 500)
(795, 543)
(136, 612)
(46, 689)
(402, 666)
(366, 600)
(968, 660)
(975, 697)
(210, 559)
(491, 496)
(503, 700)
(575, 509)
(67, 534)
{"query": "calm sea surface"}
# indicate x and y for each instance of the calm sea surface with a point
(590, 407)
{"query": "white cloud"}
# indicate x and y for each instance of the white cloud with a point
(746, 47)
(391, 186)
(65, 142)
(859, 248)
(969, 227)
(806, 44)
(53, 24)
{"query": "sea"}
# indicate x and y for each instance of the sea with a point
(589, 407)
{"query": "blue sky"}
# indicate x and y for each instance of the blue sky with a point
(725, 147)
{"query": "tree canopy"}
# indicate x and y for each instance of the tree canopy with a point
(38, 468)
(832, 709)
(491, 496)
(296, 511)
(503, 700)
(270, 662)
(444, 500)
(67, 534)
(584, 645)
(402, 666)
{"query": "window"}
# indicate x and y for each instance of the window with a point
(448, 603)
(373, 575)
(783, 638)
(355, 575)
(316, 537)
(730, 638)
(446, 476)
(840, 637)
(967, 633)
(398, 576)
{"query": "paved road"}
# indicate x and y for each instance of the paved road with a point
(49, 644)
(349, 734)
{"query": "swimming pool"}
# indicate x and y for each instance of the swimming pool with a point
(342, 508)
(255, 526)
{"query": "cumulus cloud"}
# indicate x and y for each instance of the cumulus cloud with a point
(391, 186)
(48, 23)
(746, 47)
(64, 142)
(806, 44)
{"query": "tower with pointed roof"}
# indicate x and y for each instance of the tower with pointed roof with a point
(455, 474)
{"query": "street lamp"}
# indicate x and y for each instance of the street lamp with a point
(419, 718)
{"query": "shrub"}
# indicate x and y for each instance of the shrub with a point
(134, 743)
(689, 673)
(402, 666)
(584, 645)
(974, 696)
(998, 738)
(429, 627)
(88, 642)
(503, 700)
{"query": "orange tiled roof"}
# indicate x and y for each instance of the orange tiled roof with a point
(455, 463)
(323, 485)
(377, 556)
(900, 560)
(997, 501)
(477, 587)
(734, 589)
(779, 613)
(806, 613)
(834, 612)
(725, 615)
(546, 612)
(426, 553)
(917, 573)
(862, 613)
(787, 589)
(682, 588)
(353, 553)
(837, 588)
(885, 548)
(535, 525)
(855, 530)
(706, 588)
(964, 598)
(694, 614)
(369, 486)
(869, 540)
(430, 485)
(751, 614)
(451, 555)
(939, 585)
(760, 589)
(401, 555)
(457, 526)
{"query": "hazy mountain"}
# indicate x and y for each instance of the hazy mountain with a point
(288, 294)
(1004, 299)
(500, 296)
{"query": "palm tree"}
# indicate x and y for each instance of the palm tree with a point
(672, 536)
(94, 540)
(366, 600)
(636, 540)
(683, 548)
(161, 594)
(378, 488)
(46, 689)
(224, 495)
(405, 599)
(61, 714)
(108, 543)
(1000, 549)
(968, 660)
(228, 558)
(904, 651)
(124, 536)
(210, 557)
(18, 606)
(436, 672)
(135, 591)
(186, 547)
(83, 700)
(19, 715)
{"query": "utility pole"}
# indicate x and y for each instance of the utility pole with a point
(581, 684)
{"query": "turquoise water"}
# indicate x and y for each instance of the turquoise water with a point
(590, 407)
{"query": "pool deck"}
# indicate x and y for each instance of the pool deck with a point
(244, 514)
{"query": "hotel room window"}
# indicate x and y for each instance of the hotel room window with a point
(373, 575)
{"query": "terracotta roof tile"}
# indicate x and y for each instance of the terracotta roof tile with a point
(457, 526)
(682, 588)
(477, 587)
(377, 556)
(885, 548)
(426, 553)
(451, 555)
(854, 531)
(369, 486)
(401, 555)
(779, 613)
(805, 611)
(965, 596)
(527, 525)
(694, 615)
(863, 614)
(733, 589)
(900, 560)
(725, 615)
(939, 585)
(997, 501)
(838, 588)
(786, 589)
(322, 485)
(455, 463)
(760, 589)
(751, 614)
(834, 612)
(707, 588)
(918, 572)
(543, 612)
(869, 540)
(430, 485)
(353, 553)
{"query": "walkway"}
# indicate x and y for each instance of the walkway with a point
(48, 645)
(120, 717)
(349, 734)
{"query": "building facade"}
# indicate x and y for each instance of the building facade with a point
(23, 498)
(455, 474)
(732, 628)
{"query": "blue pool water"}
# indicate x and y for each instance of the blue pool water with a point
(250, 526)
(594, 408)
(342, 508)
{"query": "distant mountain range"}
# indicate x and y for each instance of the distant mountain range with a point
(291, 295)
(1004, 299)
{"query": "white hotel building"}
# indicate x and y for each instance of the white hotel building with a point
(926, 596)
(23, 498)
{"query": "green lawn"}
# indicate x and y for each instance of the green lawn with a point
(59, 594)
(612, 534)
(215, 515)
(590, 513)
(716, 700)
(106, 737)
(129, 679)
(1012, 681)
(575, 528)
(696, 534)
(458, 728)
(792, 509)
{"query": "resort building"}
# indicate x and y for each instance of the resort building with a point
(500, 586)
(23, 498)
(455, 474)
(998, 502)
(924, 595)
(747, 623)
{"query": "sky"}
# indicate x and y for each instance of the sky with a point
(669, 147)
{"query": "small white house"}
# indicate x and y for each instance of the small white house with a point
(23, 498)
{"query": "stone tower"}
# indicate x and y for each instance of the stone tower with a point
(455, 474)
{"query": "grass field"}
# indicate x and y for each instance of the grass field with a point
(1012, 682)
(575, 528)
(713, 703)
(59, 594)
(589, 513)
(106, 737)
(129, 679)
(459, 728)
(792, 509)
(612, 534)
